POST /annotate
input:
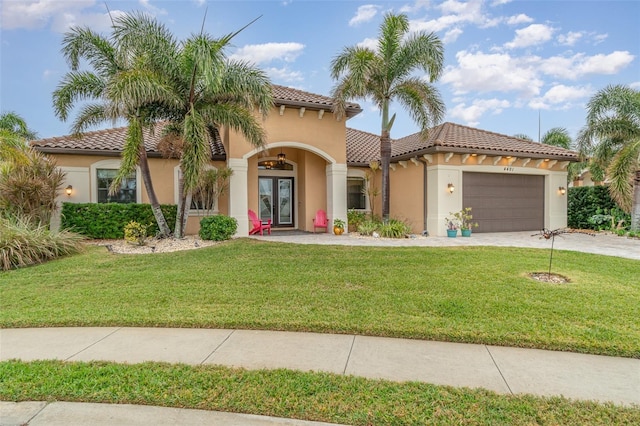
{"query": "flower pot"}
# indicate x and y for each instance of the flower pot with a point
(451, 233)
(465, 232)
(337, 230)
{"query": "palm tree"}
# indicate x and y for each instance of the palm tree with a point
(387, 74)
(206, 92)
(13, 123)
(558, 136)
(612, 138)
(122, 84)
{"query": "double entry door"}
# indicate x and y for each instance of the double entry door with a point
(276, 200)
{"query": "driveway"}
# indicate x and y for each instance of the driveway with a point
(601, 243)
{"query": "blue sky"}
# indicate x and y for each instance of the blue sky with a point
(507, 63)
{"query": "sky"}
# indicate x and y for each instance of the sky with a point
(511, 67)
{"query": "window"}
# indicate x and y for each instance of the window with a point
(127, 192)
(356, 193)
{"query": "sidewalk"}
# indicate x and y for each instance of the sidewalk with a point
(499, 369)
(601, 243)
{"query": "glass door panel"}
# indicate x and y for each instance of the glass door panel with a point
(285, 216)
(265, 193)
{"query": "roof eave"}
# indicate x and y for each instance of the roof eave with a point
(350, 111)
(439, 149)
(106, 152)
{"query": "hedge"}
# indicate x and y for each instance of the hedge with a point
(107, 220)
(586, 201)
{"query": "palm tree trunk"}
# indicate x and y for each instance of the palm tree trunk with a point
(635, 206)
(385, 159)
(184, 204)
(151, 193)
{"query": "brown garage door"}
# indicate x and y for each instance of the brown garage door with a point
(503, 203)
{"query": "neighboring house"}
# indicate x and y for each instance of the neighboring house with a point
(511, 184)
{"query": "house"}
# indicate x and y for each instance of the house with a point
(313, 161)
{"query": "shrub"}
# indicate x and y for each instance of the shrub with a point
(107, 220)
(135, 233)
(355, 218)
(368, 227)
(23, 244)
(394, 229)
(584, 202)
(218, 228)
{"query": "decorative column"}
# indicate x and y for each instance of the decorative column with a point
(238, 194)
(336, 192)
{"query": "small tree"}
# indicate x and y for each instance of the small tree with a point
(29, 182)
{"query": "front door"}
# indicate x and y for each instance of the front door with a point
(276, 200)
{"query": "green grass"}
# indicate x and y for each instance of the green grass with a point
(283, 393)
(471, 294)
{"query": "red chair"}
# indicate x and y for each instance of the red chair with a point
(320, 221)
(259, 225)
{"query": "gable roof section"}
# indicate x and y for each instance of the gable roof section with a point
(298, 98)
(362, 147)
(110, 142)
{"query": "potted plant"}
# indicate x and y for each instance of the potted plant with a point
(464, 217)
(452, 226)
(338, 226)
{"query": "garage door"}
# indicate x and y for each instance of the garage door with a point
(504, 203)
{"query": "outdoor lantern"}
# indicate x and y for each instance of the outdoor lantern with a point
(562, 190)
(281, 157)
(451, 188)
(68, 190)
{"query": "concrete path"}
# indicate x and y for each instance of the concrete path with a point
(605, 244)
(500, 369)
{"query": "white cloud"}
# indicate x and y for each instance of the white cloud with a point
(561, 97)
(498, 72)
(579, 65)
(151, 8)
(499, 2)
(364, 14)
(284, 75)
(471, 114)
(635, 85)
(570, 38)
(267, 52)
(200, 2)
(415, 7)
(456, 14)
(599, 38)
(451, 35)
(519, 19)
(33, 14)
(370, 43)
(532, 35)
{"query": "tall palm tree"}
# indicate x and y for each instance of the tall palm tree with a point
(612, 138)
(207, 91)
(386, 74)
(122, 84)
(13, 123)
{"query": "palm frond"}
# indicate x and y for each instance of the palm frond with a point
(621, 173)
(76, 86)
(195, 149)
(422, 101)
(84, 43)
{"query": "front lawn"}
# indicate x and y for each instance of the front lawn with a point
(311, 396)
(471, 294)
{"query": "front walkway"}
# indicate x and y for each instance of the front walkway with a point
(601, 243)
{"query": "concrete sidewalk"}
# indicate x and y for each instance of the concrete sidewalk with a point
(601, 243)
(500, 369)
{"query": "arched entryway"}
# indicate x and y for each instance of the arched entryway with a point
(310, 179)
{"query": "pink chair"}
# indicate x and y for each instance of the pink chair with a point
(320, 221)
(259, 225)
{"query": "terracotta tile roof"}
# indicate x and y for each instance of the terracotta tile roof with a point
(110, 142)
(288, 96)
(449, 137)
